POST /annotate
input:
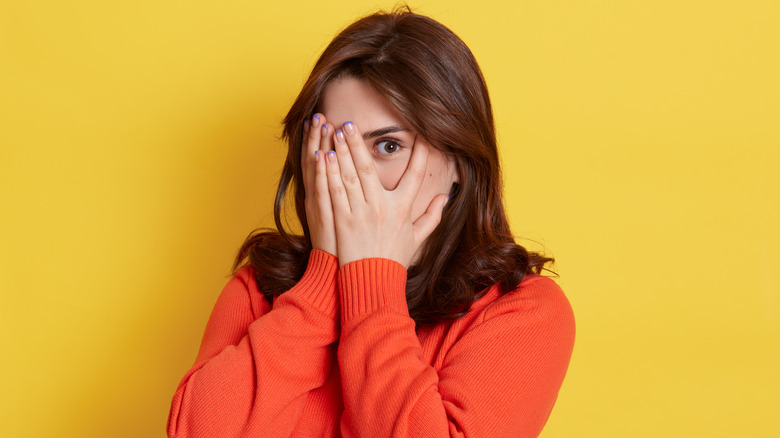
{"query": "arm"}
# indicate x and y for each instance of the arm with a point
(500, 377)
(257, 373)
(252, 374)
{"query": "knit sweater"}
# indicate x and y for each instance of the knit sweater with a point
(338, 355)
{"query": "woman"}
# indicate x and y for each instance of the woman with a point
(406, 308)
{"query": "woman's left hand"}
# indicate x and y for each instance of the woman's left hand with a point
(371, 221)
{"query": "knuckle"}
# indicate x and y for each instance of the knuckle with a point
(350, 178)
(365, 170)
(375, 212)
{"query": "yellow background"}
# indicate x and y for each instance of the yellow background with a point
(138, 147)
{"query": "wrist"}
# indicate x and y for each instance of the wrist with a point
(368, 284)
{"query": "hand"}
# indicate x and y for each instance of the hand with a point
(371, 221)
(317, 141)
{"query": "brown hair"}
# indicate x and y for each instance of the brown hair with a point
(430, 76)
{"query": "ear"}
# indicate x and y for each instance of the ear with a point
(452, 170)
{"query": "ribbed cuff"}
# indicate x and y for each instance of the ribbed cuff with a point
(318, 284)
(370, 284)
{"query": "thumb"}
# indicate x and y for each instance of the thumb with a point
(425, 224)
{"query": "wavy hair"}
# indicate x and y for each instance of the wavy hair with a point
(431, 77)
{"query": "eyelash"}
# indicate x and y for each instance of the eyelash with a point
(389, 141)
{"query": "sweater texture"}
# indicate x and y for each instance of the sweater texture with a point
(338, 355)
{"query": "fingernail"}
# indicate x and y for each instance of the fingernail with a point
(315, 121)
(306, 124)
(324, 130)
(339, 136)
(350, 128)
(332, 157)
(317, 157)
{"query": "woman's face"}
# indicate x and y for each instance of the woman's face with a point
(388, 136)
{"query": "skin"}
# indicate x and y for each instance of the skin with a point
(370, 195)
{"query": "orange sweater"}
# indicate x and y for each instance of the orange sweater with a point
(338, 355)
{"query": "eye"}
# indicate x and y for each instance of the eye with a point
(387, 147)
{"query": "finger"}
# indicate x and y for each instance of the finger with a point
(311, 144)
(321, 190)
(425, 224)
(363, 162)
(414, 175)
(348, 173)
(338, 194)
(326, 138)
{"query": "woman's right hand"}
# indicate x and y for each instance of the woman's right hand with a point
(318, 141)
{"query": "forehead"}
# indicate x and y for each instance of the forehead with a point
(350, 99)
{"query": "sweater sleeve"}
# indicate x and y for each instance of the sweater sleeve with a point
(253, 373)
(499, 378)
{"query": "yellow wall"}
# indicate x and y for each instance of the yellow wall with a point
(138, 148)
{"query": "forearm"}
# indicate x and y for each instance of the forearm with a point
(263, 380)
(497, 375)
(383, 376)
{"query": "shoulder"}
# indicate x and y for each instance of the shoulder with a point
(242, 290)
(517, 347)
(538, 304)
(239, 287)
(242, 283)
(245, 277)
(534, 294)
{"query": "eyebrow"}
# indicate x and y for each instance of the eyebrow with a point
(383, 131)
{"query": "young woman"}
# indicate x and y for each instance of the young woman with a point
(406, 308)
